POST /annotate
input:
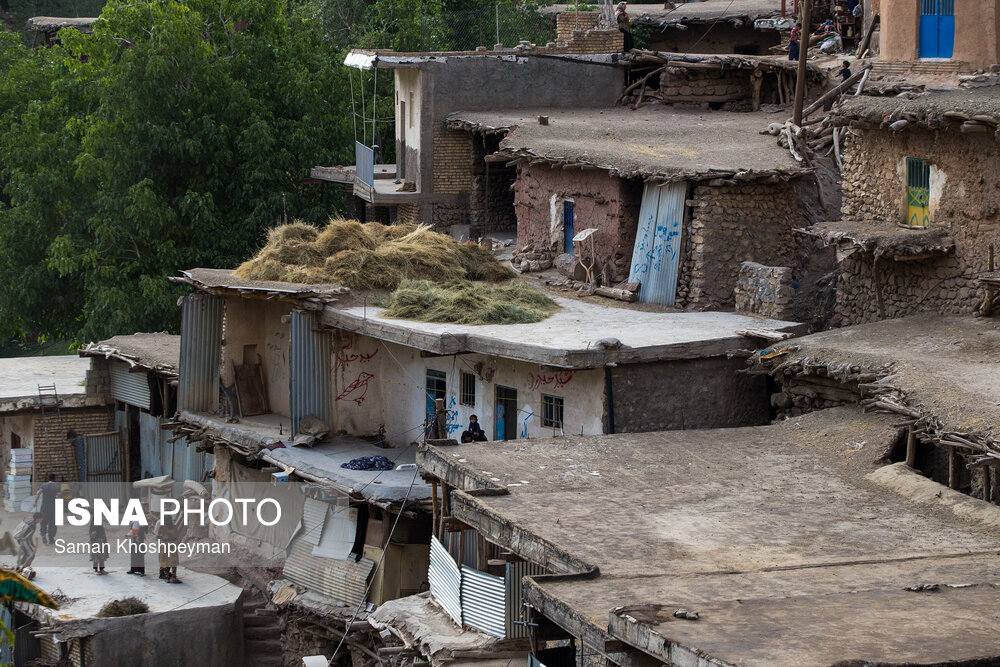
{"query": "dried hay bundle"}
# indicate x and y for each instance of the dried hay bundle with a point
(467, 302)
(368, 256)
(124, 607)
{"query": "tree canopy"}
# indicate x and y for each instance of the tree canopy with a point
(174, 136)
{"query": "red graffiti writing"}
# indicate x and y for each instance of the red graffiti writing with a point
(344, 357)
(557, 380)
(356, 390)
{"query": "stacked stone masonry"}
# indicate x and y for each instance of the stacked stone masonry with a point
(764, 290)
(53, 452)
(731, 224)
(728, 89)
(965, 198)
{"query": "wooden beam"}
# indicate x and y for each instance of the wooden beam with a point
(911, 448)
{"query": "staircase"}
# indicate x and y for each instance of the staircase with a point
(261, 633)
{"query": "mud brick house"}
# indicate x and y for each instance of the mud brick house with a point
(921, 204)
(789, 544)
(934, 36)
(587, 369)
(47, 405)
(439, 177)
(674, 206)
(936, 373)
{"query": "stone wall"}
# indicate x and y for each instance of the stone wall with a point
(764, 290)
(730, 89)
(601, 201)
(800, 394)
(965, 198)
(689, 393)
(721, 38)
(577, 32)
(731, 224)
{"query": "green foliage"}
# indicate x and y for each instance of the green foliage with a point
(171, 137)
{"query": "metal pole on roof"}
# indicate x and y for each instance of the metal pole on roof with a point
(374, 93)
(800, 78)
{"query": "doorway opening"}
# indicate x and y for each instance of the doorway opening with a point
(505, 421)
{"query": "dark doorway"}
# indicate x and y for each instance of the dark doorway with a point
(437, 387)
(505, 419)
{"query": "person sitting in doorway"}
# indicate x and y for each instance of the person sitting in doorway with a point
(478, 435)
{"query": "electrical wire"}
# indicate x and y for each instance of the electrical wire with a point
(378, 566)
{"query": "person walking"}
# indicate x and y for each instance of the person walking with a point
(99, 547)
(137, 537)
(47, 494)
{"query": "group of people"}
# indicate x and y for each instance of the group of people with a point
(43, 519)
(475, 432)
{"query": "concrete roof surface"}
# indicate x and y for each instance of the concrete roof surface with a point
(54, 23)
(158, 351)
(89, 592)
(580, 335)
(226, 280)
(695, 11)
(20, 377)
(782, 519)
(652, 140)
(325, 458)
(949, 366)
(972, 102)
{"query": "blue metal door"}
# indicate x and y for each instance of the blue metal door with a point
(568, 232)
(937, 28)
(657, 252)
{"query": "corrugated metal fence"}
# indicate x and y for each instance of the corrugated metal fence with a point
(311, 382)
(201, 349)
(479, 600)
(657, 252)
(446, 580)
(105, 458)
(364, 164)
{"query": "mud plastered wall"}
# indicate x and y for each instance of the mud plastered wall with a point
(608, 204)
(965, 199)
(732, 224)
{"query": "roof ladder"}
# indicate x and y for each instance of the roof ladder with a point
(48, 397)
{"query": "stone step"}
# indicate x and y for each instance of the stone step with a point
(262, 647)
(260, 632)
(257, 621)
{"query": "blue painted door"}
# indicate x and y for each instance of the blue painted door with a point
(657, 253)
(937, 28)
(568, 231)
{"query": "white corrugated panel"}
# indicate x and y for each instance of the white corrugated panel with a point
(657, 252)
(445, 580)
(313, 516)
(341, 580)
(131, 388)
(484, 601)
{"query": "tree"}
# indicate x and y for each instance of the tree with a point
(171, 137)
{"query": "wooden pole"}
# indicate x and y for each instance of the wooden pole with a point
(911, 448)
(954, 472)
(441, 415)
(833, 93)
(434, 500)
(800, 79)
(987, 483)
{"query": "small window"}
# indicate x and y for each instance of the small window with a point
(15, 441)
(918, 192)
(552, 411)
(468, 394)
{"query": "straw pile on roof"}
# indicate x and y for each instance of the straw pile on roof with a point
(466, 302)
(368, 256)
(125, 607)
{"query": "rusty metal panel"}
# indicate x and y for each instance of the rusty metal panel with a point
(445, 580)
(131, 388)
(515, 597)
(484, 601)
(657, 252)
(201, 349)
(311, 384)
(105, 457)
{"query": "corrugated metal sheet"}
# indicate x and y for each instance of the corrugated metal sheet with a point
(149, 445)
(454, 541)
(342, 580)
(657, 253)
(364, 164)
(484, 601)
(131, 388)
(201, 348)
(445, 580)
(515, 597)
(105, 465)
(313, 515)
(311, 381)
